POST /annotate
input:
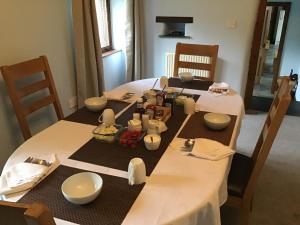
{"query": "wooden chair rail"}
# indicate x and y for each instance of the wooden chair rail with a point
(30, 89)
(38, 104)
(193, 65)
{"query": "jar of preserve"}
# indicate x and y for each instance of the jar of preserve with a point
(169, 101)
(160, 98)
(150, 110)
(140, 106)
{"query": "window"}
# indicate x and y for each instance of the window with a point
(103, 17)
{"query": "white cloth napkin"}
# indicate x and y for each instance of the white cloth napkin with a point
(117, 95)
(219, 88)
(23, 176)
(211, 150)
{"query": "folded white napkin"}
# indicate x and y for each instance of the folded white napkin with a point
(23, 176)
(211, 150)
(118, 95)
(219, 88)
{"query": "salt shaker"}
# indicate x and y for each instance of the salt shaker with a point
(145, 121)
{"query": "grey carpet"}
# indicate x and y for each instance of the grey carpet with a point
(277, 195)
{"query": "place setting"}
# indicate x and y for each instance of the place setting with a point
(205, 142)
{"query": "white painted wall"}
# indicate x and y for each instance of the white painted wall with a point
(209, 27)
(114, 70)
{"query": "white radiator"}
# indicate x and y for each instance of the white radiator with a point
(170, 59)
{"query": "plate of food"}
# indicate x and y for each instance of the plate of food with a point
(107, 133)
(131, 138)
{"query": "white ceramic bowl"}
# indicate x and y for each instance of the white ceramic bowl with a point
(82, 188)
(216, 121)
(180, 99)
(186, 76)
(152, 145)
(96, 104)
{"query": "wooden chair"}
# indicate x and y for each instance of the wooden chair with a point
(12, 213)
(245, 170)
(206, 62)
(16, 72)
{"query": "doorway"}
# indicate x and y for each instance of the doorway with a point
(271, 47)
(266, 52)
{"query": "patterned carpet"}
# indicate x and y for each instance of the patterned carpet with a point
(277, 195)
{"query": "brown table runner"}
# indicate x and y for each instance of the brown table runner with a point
(196, 128)
(117, 156)
(86, 116)
(110, 207)
(195, 84)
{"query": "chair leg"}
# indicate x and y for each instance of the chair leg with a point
(244, 219)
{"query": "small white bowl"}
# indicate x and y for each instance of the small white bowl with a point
(180, 99)
(82, 188)
(96, 104)
(217, 121)
(186, 76)
(152, 145)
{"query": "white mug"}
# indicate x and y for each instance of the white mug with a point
(108, 117)
(189, 106)
(136, 171)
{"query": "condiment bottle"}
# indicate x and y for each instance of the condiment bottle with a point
(160, 97)
(150, 110)
(169, 101)
(140, 106)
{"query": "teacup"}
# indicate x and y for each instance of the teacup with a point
(136, 171)
(108, 117)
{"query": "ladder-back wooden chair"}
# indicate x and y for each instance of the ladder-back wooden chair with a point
(245, 170)
(16, 72)
(201, 60)
(12, 213)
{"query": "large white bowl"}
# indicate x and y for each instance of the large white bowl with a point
(96, 104)
(217, 121)
(82, 188)
(186, 76)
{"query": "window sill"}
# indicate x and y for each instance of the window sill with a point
(111, 52)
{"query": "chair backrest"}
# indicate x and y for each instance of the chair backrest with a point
(12, 213)
(19, 71)
(200, 55)
(272, 124)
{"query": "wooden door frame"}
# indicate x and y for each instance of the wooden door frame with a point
(256, 41)
(287, 7)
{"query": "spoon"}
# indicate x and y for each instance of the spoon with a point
(188, 145)
(181, 91)
(154, 84)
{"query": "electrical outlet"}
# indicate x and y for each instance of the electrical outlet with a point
(231, 23)
(72, 102)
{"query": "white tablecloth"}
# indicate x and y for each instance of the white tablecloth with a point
(181, 190)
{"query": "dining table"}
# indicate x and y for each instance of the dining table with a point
(179, 189)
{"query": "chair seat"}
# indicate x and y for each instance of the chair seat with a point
(239, 174)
